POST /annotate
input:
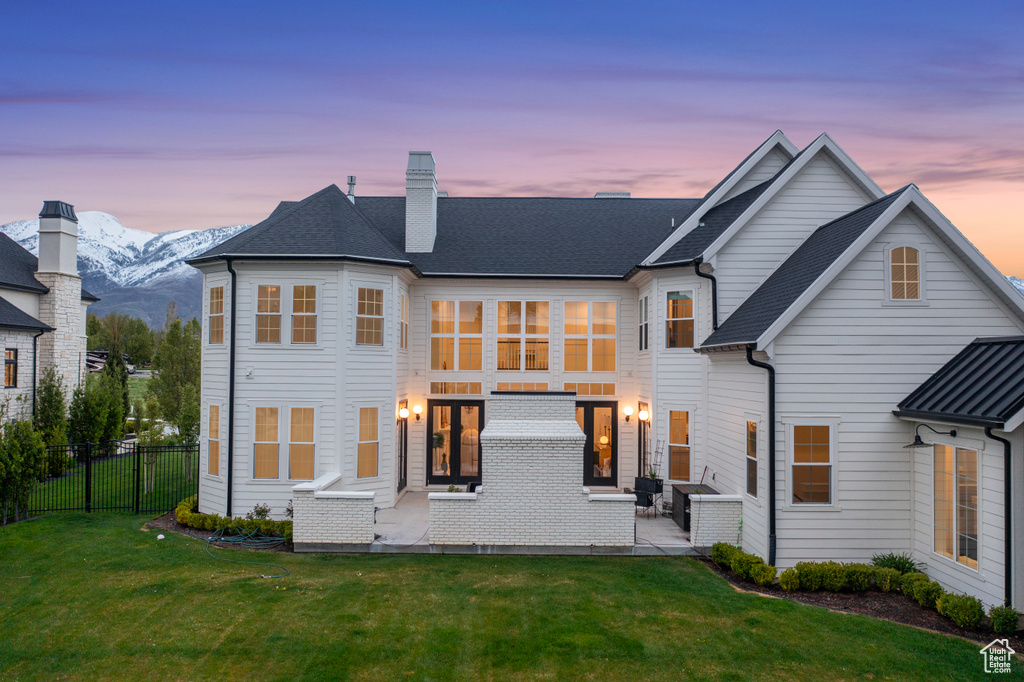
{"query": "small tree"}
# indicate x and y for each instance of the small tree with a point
(109, 392)
(176, 366)
(51, 419)
(87, 418)
(22, 466)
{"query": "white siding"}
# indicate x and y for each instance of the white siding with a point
(766, 168)
(212, 489)
(819, 193)
(852, 356)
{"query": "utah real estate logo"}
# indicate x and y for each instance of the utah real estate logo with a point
(997, 656)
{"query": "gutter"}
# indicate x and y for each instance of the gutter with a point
(231, 389)
(1007, 516)
(35, 368)
(771, 450)
(714, 293)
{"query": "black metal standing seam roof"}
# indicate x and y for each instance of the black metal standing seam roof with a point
(12, 317)
(982, 386)
(798, 272)
(18, 267)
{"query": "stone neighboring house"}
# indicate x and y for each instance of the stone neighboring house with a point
(42, 309)
(840, 364)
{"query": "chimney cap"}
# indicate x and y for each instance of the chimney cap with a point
(421, 161)
(58, 209)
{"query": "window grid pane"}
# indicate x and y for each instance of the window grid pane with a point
(10, 368)
(944, 519)
(678, 445)
(576, 355)
(508, 354)
(265, 450)
(268, 314)
(679, 323)
(216, 314)
(369, 317)
(213, 429)
(904, 273)
(367, 450)
(812, 470)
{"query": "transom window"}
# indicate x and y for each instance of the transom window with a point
(956, 504)
(10, 368)
(366, 465)
(213, 449)
(304, 314)
(216, 314)
(679, 320)
(643, 315)
(301, 447)
(593, 351)
(266, 447)
(522, 386)
(456, 387)
(905, 273)
(679, 445)
(752, 458)
(452, 338)
(268, 313)
(812, 465)
(590, 389)
(523, 335)
(369, 317)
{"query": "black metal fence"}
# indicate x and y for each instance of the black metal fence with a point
(118, 475)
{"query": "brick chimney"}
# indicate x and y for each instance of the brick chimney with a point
(420, 203)
(62, 307)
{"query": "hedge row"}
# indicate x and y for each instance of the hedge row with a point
(187, 515)
(745, 566)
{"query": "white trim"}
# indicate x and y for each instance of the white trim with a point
(1014, 422)
(922, 272)
(778, 139)
(832, 422)
(958, 443)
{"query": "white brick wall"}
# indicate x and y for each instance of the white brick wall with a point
(63, 348)
(715, 518)
(532, 492)
(324, 515)
(18, 400)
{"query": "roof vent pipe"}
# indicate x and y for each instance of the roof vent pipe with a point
(352, 188)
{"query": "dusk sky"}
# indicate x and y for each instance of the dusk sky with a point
(194, 115)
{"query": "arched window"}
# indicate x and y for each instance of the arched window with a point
(905, 273)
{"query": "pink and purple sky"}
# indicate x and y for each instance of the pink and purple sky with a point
(192, 115)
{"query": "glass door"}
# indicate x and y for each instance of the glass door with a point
(403, 449)
(600, 452)
(453, 447)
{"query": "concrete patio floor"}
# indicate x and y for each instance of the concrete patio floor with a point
(404, 528)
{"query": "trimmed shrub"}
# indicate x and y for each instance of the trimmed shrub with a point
(888, 579)
(186, 514)
(909, 581)
(810, 575)
(901, 562)
(789, 580)
(859, 576)
(963, 610)
(763, 574)
(1004, 619)
(743, 564)
(833, 576)
(927, 592)
(722, 553)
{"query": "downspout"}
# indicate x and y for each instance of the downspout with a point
(771, 450)
(714, 293)
(35, 369)
(1007, 515)
(231, 391)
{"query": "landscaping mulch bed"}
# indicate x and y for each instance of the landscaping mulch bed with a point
(169, 523)
(891, 606)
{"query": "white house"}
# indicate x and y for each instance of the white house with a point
(764, 339)
(42, 309)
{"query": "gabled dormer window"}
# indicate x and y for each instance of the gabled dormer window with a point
(904, 274)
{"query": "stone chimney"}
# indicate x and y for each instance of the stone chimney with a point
(62, 307)
(420, 203)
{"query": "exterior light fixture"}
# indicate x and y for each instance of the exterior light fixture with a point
(644, 415)
(404, 413)
(628, 411)
(417, 410)
(918, 443)
(604, 440)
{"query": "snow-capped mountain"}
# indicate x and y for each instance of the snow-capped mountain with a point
(1018, 283)
(133, 271)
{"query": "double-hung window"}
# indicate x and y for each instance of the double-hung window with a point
(10, 368)
(216, 314)
(752, 458)
(956, 504)
(301, 445)
(403, 324)
(679, 445)
(812, 464)
(589, 336)
(304, 314)
(213, 449)
(268, 313)
(643, 315)
(369, 317)
(456, 342)
(679, 320)
(523, 335)
(366, 456)
(266, 444)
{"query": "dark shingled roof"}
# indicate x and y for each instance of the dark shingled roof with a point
(283, 206)
(982, 386)
(17, 267)
(12, 317)
(325, 224)
(773, 298)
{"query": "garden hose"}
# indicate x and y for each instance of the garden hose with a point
(253, 539)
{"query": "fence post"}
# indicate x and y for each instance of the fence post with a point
(138, 475)
(88, 477)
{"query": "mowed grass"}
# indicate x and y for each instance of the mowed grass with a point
(94, 596)
(138, 389)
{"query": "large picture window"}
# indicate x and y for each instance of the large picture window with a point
(456, 341)
(812, 464)
(679, 445)
(956, 504)
(523, 335)
(369, 317)
(366, 464)
(216, 314)
(304, 314)
(267, 446)
(904, 274)
(679, 320)
(268, 313)
(590, 336)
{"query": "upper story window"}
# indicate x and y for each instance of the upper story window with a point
(523, 335)
(268, 314)
(812, 464)
(304, 314)
(10, 368)
(403, 324)
(956, 504)
(452, 338)
(589, 336)
(643, 315)
(905, 274)
(679, 320)
(370, 317)
(216, 314)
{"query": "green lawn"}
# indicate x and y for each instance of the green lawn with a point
(138, 389)
(93, 596)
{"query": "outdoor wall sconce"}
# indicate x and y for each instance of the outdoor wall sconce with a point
(628, 411)
(603, 440)
(918, 443)
(643, 416)
(403, 413)
(417, 410)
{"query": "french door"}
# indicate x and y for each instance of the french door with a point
(453, 441)
(601, 450)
